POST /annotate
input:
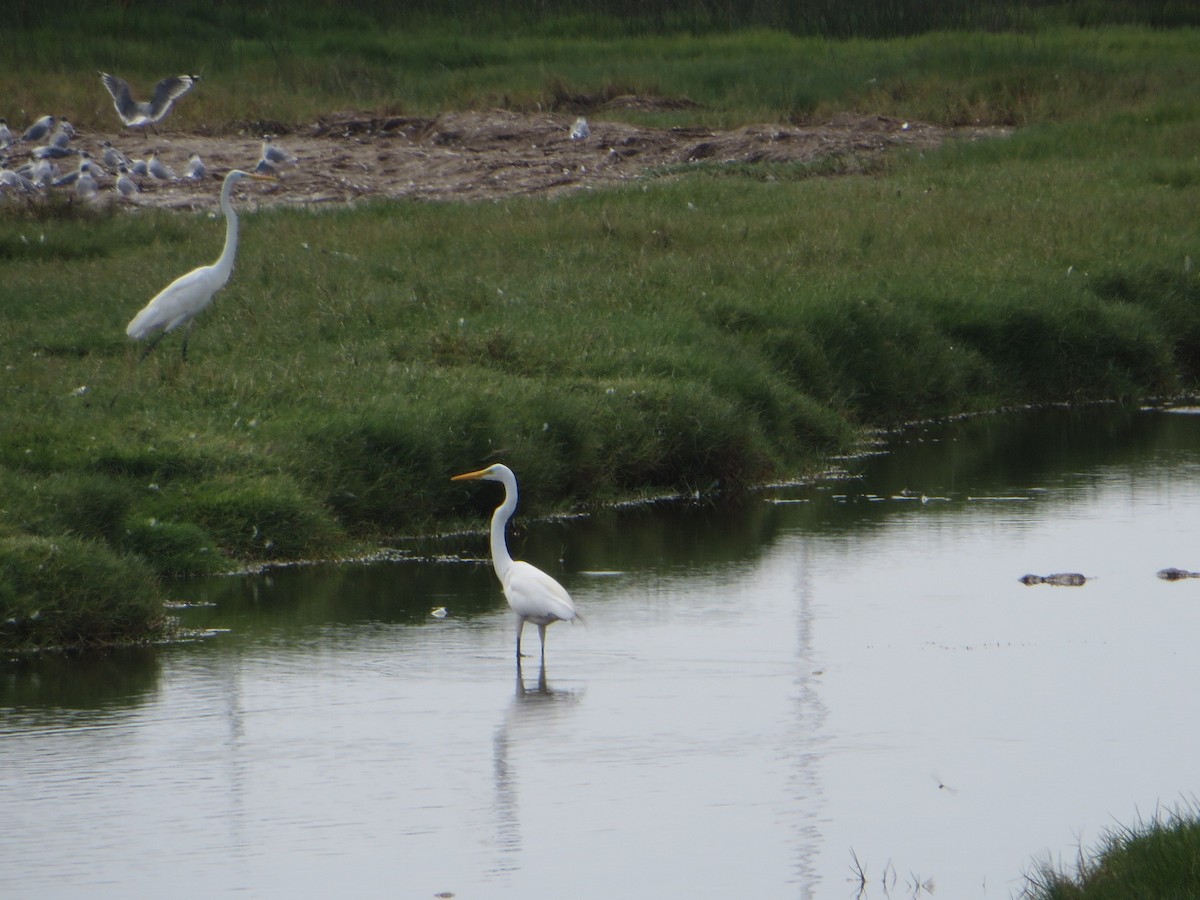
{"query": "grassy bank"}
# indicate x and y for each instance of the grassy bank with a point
(706, 328)
(1155, 860)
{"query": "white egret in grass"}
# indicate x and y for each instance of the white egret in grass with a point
(140, 113)
(178, 304)
(532, 594)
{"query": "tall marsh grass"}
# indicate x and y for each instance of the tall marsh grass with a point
(1154, 860)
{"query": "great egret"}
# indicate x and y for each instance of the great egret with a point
(138, 113)
(183, 299)
(532, 594)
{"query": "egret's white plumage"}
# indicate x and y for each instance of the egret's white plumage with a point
(140, 113)
(183, 299)
(532, 594)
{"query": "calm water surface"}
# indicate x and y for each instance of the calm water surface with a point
(763, 698)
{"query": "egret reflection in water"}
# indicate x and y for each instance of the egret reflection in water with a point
(521, 742)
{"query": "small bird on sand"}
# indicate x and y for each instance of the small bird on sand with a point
(195, 169)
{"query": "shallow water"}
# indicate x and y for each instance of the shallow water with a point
(766, 700)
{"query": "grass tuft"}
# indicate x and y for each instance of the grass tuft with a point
(1155, 860)
(71, 593)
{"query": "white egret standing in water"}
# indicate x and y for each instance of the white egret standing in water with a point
(532, 594)
(184, 298)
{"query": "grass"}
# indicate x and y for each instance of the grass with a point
(1155, 860)
(705, 329)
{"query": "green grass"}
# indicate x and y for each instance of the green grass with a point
(705, 328)
(67, 592)
(1156, 860)
(264, 69)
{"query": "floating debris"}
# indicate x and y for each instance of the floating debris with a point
(1173, 574)
(1061, 579)
(439, 612)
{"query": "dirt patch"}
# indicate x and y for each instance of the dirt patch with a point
(345, 157)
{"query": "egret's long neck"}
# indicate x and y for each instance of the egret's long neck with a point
(501, 561)
(224, 263)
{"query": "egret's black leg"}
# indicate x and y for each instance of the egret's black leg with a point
(542, 635)
(153, 343)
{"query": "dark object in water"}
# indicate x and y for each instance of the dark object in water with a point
(1061, 579)
(1173, 574)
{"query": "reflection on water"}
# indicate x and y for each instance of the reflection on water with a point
(813, 691)
(530, 720)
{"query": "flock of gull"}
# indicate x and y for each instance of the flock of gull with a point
(43, 156)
